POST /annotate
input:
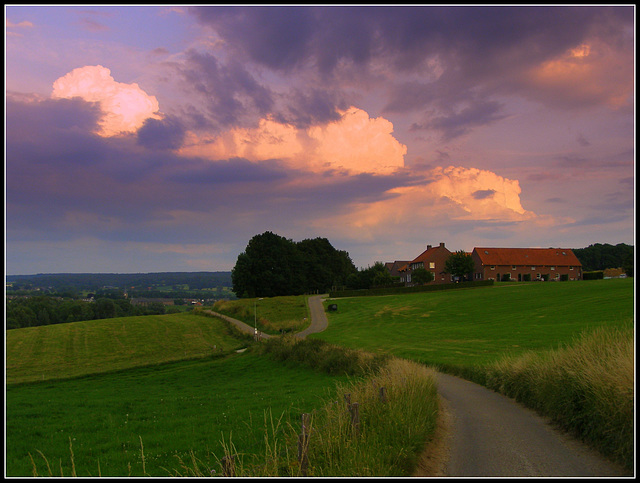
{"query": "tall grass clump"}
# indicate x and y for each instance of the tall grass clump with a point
(587, 387)
(397, 417)
(397, 413)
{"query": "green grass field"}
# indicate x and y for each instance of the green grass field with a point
(135, 396)
(476, 326)
(173, 408)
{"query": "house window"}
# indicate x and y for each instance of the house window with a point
(513, 267)
(493, 267)
(553, 268)
(570, 268)
(432, 264)
(533, 268)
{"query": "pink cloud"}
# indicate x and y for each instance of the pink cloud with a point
(125, 106)
(355, 143)
(591, 73)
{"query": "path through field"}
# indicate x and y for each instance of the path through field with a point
(490, 435)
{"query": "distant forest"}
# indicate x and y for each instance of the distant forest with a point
(140, 281)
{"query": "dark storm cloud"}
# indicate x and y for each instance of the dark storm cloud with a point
(483, 194)
(167, 133)
(234, 170)
(230, 94)
(466, 55)
(452, 125)
(27, 114)
(283, 38)
(310, 107)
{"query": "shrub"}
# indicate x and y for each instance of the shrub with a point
(321, 355)
(595, 275)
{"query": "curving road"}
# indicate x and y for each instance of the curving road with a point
(317, 315)
(490, 435)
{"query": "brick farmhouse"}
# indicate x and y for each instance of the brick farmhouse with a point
(499, 264)
(524, 264)
(433, 260)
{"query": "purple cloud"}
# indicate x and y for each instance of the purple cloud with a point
(229, 93)
(164, 134)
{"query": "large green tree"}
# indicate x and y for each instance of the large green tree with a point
(375, 276)
(459, 264)
(272, 265)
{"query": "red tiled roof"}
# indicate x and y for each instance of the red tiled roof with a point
(527, 256)
(428, 253)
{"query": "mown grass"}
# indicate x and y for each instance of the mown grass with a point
(150, 420)
(272, 315)
(476, 326)
(81, 348)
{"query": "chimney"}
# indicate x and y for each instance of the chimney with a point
(441, 244)
(428, 247)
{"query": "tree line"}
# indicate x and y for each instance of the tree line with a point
(44, 310)
(601, 256)
(77, 282)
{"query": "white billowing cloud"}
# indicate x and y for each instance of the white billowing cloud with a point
(481, 194)
(451, 195)
(355, 142)
(125, 106)
(358, 143)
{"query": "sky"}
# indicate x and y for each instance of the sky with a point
(158, 138)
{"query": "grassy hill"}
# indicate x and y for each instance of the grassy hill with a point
(80, 348)
(476, 326)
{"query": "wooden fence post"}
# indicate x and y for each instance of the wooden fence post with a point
(228, 466)
(303, 444)
(383, 394)
(355, 417)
